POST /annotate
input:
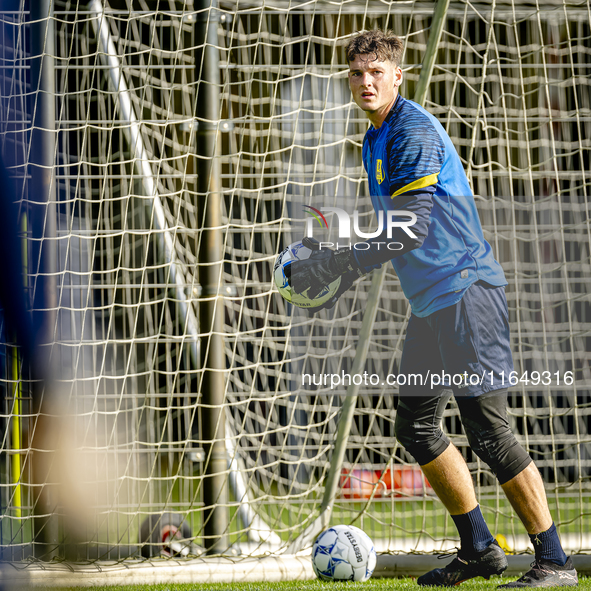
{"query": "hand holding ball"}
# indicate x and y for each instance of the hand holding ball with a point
(310, 277)
(298, 295)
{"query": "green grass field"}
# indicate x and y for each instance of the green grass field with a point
(372, 585)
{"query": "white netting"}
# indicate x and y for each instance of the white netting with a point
(511, 85)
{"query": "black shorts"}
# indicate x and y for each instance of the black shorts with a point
(464, 347)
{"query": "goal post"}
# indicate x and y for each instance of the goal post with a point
(137, 313)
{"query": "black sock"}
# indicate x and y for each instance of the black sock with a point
(547, 546)
(474, 532)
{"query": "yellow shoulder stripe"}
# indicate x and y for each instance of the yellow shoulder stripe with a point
(421, 183)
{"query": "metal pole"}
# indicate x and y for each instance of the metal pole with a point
(431, 51)
(43, 246)
(350, 402)
(210, 257)
(257, 529)
(141, 159)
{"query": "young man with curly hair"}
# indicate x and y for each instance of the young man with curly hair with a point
(459, 323)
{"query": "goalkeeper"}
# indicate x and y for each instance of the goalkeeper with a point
(459, 322)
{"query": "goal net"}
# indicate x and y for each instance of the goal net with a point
(132, 340)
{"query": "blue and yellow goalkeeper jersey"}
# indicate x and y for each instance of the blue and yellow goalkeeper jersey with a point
(412, 165)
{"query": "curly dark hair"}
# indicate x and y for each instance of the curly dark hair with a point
(383, 44)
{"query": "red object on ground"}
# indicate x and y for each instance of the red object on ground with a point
(398, 481)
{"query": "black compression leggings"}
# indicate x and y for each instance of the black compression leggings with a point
(484, 417)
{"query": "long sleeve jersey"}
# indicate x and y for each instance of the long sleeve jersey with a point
(413, 166)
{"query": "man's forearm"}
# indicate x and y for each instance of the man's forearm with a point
(375, 251)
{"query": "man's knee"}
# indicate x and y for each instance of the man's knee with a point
(490, 436)
(423, 439)
(499, 448)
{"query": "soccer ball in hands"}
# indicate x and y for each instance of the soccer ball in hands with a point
(298, 252)
(343, 553)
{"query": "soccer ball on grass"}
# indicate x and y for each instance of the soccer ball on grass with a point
(343, 553)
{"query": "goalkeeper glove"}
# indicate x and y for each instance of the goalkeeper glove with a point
(321, 269)
(347, 281)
